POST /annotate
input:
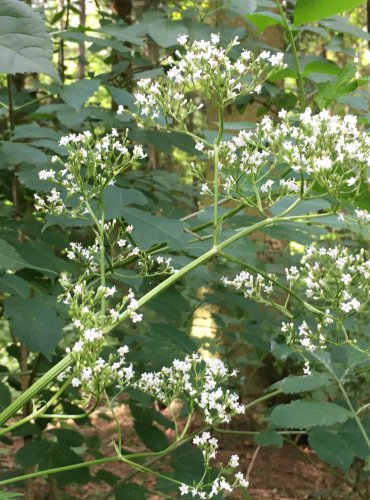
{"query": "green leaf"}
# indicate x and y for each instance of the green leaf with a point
(343, 85)
(35, 323)
(150, 229)
(343, 26)
(10, 258)
(353, 437)
(130, 490)
(25, 45)
(241, 7)
(122, 96)
(307, 11)
(304, 414)
(48, 455)
(69, 437)
(325, 67)
(269, 437)
(296, 384)
(262, 20)
(165, 32)
(152, 437)
(5, 396)
(77, 93)
(18, 152)
(331, 448)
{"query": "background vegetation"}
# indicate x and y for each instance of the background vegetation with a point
(76, 82)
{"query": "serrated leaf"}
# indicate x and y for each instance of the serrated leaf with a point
(295, 384)
(18, 152)
(35, 323)
(331, 448)
(10, 258)
(304, 414)
(25, 45)
(307, 11)
(77, 93)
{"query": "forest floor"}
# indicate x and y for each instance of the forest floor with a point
(292, 472)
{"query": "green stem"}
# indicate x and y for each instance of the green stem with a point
(60, 469)
(32, 391)
(37, 413)
(46, 379)
(290, 36)
(244, 264)
(10, 104)
(353, 411)
(216, 174)
(263, 398)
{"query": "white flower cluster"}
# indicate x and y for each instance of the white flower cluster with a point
(325, 150)
(197, 382)
(257, 287)
(91, 166)
(209, 446)
(337, 283)
(335, 277)
(207, 70)
(331, 284)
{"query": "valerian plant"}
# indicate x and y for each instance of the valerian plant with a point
(278, 169)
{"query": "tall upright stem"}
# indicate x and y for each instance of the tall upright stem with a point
(289, 33)
(216, 173)
(10, 104)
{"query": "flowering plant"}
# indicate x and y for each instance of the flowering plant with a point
(283, 171)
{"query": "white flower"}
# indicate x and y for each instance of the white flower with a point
(215, 38)
(184, 489)
(234, 461)
(45, 175)
(351, 181)
(182, 39)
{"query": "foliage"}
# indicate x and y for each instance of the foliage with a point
(98, 297)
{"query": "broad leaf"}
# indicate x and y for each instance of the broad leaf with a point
(10, 258)
(77, 93)
(35, 323)
(295, 384)
(262, 20)
(150, 229)
(165, 32)
(331, 448)
(307, 11)
(241, 7)
(151, 436)
(269, 437)
(25, 45)
(130, 490)
(304, 414)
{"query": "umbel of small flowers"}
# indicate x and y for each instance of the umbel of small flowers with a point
(293, 157)
(330, 286)
(91, 166)
(207, 70)
(198, 383)
(202, 489)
